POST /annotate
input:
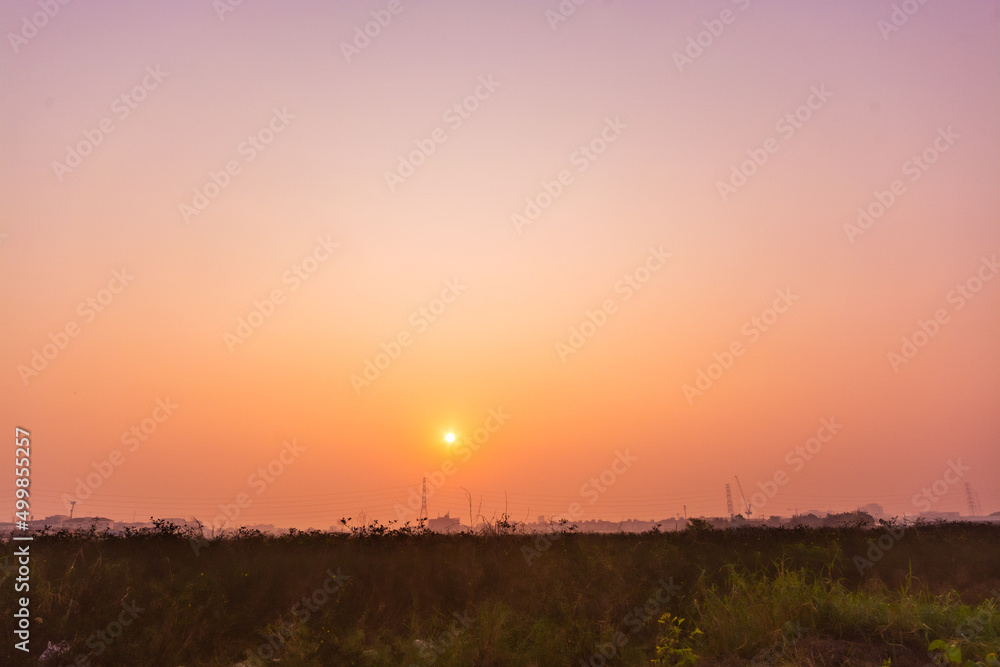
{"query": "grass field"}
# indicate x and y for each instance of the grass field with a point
(845, 596)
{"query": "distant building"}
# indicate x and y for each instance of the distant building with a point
(945, 516)
(84, 523)
(874, 509)
(266, 528)
(134, 525)
(810, 520)
(444, 524)
(841, 519)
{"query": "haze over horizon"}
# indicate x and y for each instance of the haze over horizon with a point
(666, 243)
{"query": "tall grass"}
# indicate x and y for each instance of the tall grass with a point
(753, 612)
(405, 597)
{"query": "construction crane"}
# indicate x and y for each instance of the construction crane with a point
(729, 502)
(743, 496)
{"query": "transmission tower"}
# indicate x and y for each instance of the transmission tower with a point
(423, 501)
(971, 500)
(729, 502)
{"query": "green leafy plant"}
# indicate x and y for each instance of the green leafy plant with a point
(950, 652)
(952, 655)
(674, 648)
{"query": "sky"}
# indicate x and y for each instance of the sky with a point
(259, 258)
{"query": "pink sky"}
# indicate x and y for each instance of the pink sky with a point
(620, 129)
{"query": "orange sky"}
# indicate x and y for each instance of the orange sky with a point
(574, 236)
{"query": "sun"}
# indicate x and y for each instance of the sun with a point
(449, 438)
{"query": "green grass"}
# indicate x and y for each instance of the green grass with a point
(751, 613)
(781, 596)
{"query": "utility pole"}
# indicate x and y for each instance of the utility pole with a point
(72, 504)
